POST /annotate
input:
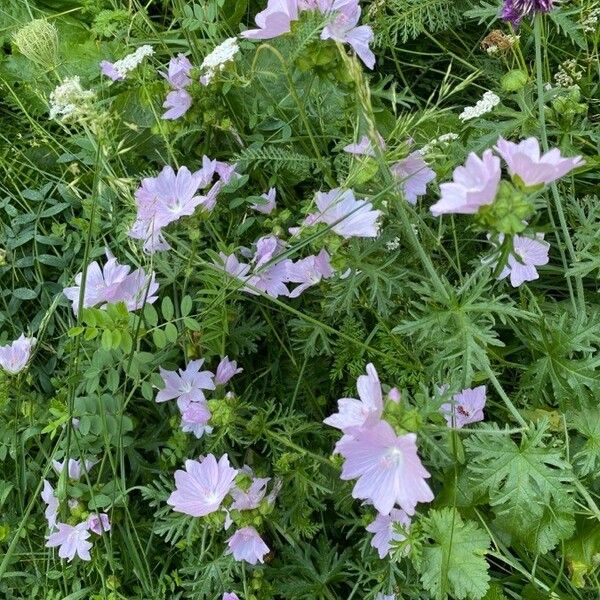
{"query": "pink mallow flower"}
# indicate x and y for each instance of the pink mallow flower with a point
(352, 413)
(187, 386)
(178, 72)
(164, 199)
(111, 284)
(71, 540)
(108, 69)
(385, 532)
(309, 271)
(274, 21)
(343, 28)
(246, 544)
(347, 216)
(98, 523)
(15, 356)
(51, 501)
(252, 497)
(230, 596)
(202, 487)
(466, 407)
(269, 205)
(388, 468)
(177, 103)
(526, 254)
(413, 175)
(226, 369)
(195, 418)
(475, 184)
(364, 146)
(533, 168)
(73, 467)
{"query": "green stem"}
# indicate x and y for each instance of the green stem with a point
(507, 401)
(538, 26)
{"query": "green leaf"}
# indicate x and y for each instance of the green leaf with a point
(453, 560)
(159, 338)
(167, 308)
(171, 333)
(192, 324)
(186, 306)
(150, 315)
(528, 485)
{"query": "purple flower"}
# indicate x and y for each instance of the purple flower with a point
(230, 596)
(194, 419)
(246, 544)
(71, 540)
(226, 171)
(15, 356)
(475, 184)
(108, 69)
(526, 254)
(309, 271)
(394, 395)
(111, 284)
(385, 532)
(271, 280)
(364, 147)
(274, 21)
(413, 175)
(200, 489)
(51, 501)
(177, 103)
(226, 369)
(232, 266)
(98, 523)
(382, 596)
(525, 161)
(466, 407)
(266, 207)
(251, 498)
(387, 467)
(347, 216)
(343, 28)
(178, 73)
(73, 467)
(352, 413)
(267, 248)
(187, 386)
(515, 11)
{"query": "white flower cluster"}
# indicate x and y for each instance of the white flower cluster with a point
(131, 61)
(69, 100)
(438, 141)
(393, 244)
(218, 58)
(590, 23)
(485, 105)
(568, 74)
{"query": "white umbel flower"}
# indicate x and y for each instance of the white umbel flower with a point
(69, 100)
(133, 60)
(218, 58)
(485, 105)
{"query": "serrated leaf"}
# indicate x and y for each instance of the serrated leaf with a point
(453, 560)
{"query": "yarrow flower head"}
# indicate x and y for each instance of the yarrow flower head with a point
(387, 468)
(514, 11)
(475, 184)
(15, 356)
(71, 541)
(483, 106)
(533, 168)
(247, 545)
(119, 70)
(187, 386)
(69, 101)
(385, 531)
(202, 487)
(217, 60)
(526, 254)
(466, 407)
(347, 216)
(413, 175)
(111, 284)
